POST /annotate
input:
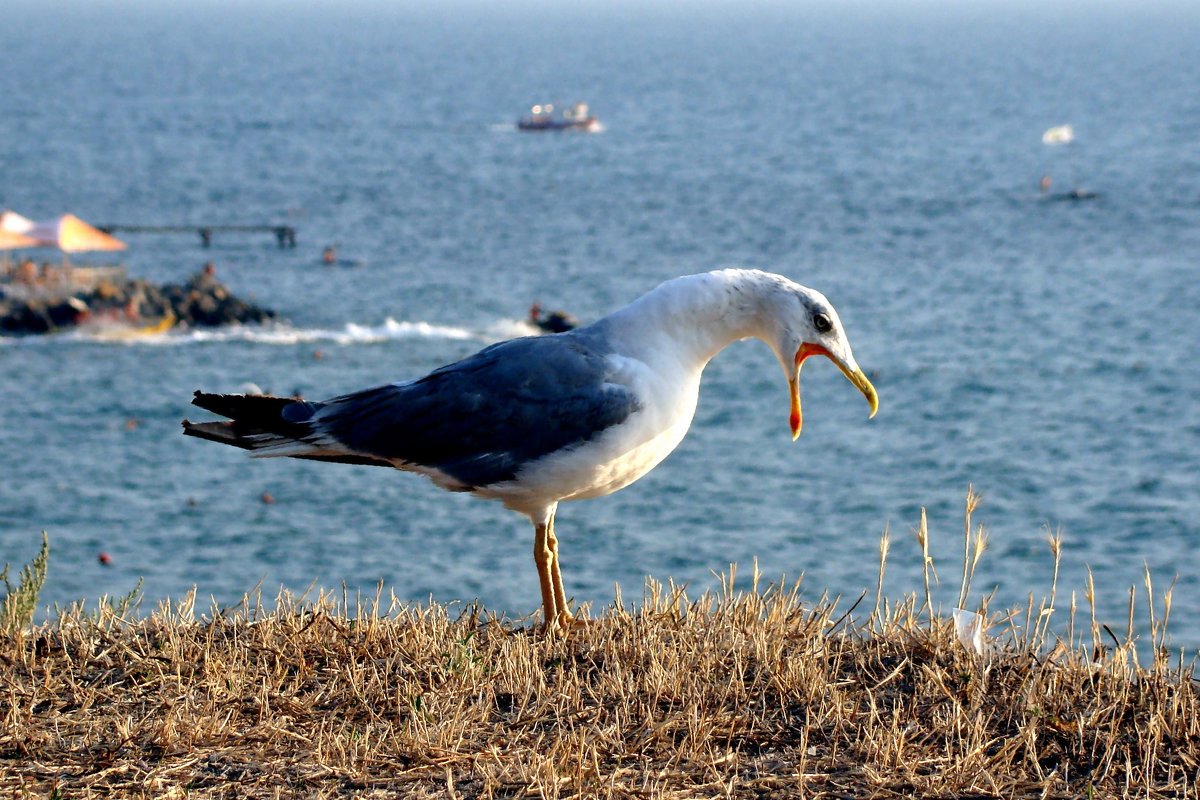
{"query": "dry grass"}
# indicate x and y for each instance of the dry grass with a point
(739, 693)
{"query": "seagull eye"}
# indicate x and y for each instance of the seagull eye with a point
(822, 323)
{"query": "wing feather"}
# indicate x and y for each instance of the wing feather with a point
(477, 421)
(482, 418)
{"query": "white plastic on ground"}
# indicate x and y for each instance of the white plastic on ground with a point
(968, 627)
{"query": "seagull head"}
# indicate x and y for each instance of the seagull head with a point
(803, 323)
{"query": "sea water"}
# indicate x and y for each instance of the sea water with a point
(1043, 350)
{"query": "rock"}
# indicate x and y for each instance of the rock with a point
(200, 301)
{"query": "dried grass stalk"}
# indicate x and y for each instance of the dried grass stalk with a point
(734, 693)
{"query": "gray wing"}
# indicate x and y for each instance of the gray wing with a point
(479, 420)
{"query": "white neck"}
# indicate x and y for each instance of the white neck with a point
(697, 315)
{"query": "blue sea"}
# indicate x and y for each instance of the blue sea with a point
(1043, 350)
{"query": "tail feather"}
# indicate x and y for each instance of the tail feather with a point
(259, 410)
(269, 426)
(221, 432)
(257, 420)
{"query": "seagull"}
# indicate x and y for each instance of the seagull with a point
(538, 420)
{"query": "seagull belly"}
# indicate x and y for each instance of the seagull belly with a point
(611, 461)
(617, 456)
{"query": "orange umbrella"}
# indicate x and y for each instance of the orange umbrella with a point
(72, 235)
(10, 240)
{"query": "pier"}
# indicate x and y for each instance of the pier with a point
(285, 235)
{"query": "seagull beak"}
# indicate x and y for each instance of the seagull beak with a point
(853, 374)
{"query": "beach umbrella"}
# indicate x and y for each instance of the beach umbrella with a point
(72, 235)
(13, 222)
(12, 233)
(10, 240)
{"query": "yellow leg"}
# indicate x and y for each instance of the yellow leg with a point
(565, 617)
(543, 557)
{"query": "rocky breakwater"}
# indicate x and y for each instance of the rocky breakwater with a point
(57, 299)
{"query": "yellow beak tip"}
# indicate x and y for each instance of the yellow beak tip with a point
(868, 390)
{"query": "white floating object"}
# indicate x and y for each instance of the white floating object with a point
(968, 627)
(1060, 134)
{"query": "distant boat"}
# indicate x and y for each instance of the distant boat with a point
(1075, 195)
(575, 118)
(113, 330)
(1060, 134)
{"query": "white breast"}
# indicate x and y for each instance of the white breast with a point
(619, 455)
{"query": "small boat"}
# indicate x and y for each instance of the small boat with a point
(1075, 195)
(575, 118)
(112, 330)
(1059, 134)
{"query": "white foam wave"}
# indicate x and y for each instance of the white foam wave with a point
(284, 334)
(509, 329)
(352, 333)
